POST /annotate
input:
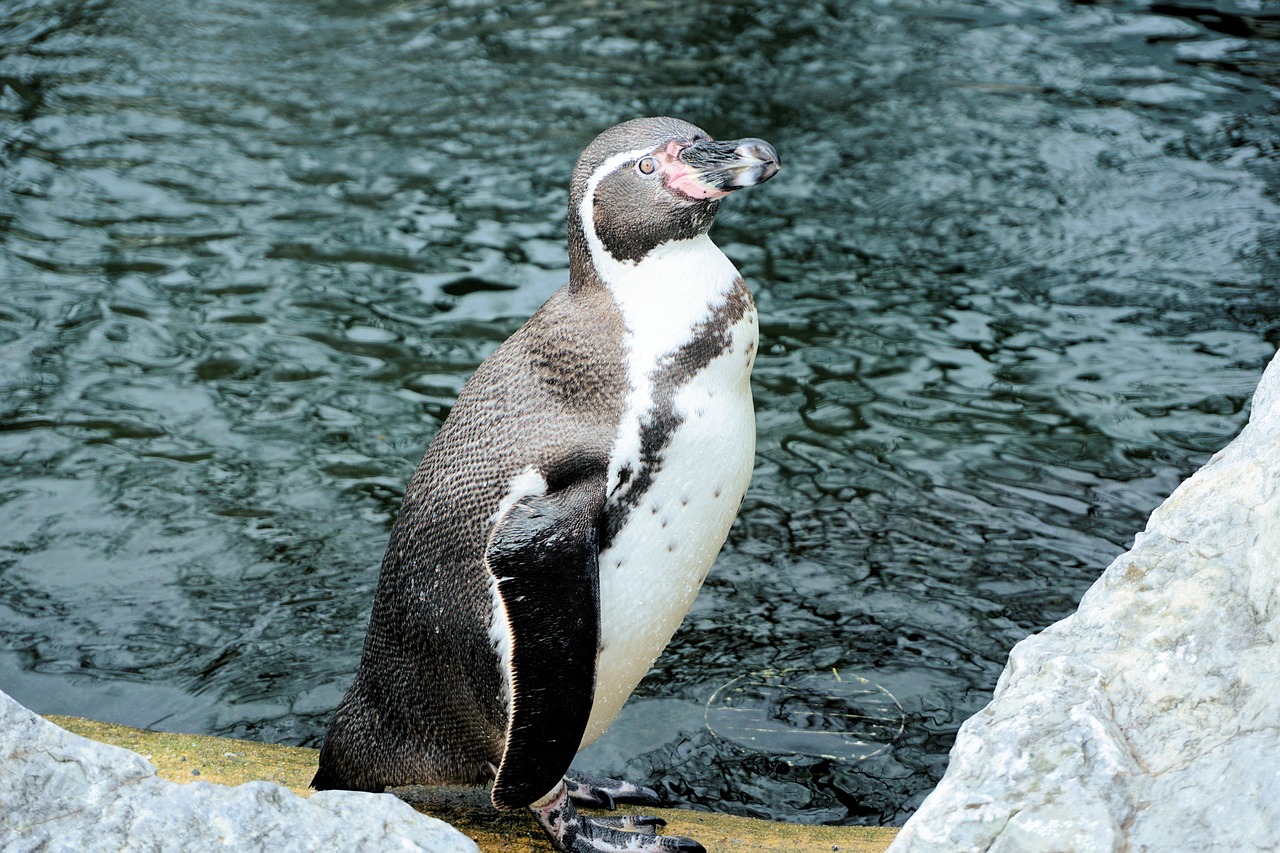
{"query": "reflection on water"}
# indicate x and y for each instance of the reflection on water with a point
(1017, 281)
(818, 714)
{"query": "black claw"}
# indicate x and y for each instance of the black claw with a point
(601, 792)
(571, 832)
(646, 797)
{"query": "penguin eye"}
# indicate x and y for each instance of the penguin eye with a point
(647, 166)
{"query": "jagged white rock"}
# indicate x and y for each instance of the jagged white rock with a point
(63, 792)
(1149, 720)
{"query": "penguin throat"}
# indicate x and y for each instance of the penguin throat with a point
(664, 300)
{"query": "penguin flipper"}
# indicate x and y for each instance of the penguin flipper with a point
(544, 555)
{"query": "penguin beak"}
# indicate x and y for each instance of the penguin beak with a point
(714, 169)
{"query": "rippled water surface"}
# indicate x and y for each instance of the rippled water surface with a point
(1017, 280)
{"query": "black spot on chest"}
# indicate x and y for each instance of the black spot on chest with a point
(711, 338)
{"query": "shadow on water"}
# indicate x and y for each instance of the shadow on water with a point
(1017, 281)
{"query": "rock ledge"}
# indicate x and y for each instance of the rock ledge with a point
(203, 759)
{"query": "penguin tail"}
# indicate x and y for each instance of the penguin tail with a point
(328, 777)
(334, 775)
(327, 780)
(345, 745)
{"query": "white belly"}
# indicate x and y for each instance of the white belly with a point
(654, 567)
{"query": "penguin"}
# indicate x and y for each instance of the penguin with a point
(568, 510)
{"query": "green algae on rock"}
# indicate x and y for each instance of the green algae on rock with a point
(188, 758)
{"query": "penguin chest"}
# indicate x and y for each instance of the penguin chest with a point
(697, 443)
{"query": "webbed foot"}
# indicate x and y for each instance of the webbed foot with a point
(571, 832)
(598, 792)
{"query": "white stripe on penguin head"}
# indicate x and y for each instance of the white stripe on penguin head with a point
(606, 265)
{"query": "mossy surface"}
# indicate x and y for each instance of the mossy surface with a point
(187, 758)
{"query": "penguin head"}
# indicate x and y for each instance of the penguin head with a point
(651, 181)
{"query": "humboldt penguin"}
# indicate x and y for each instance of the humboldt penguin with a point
(566, 513)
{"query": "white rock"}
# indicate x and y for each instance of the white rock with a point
(1149, 720)
(62, 792)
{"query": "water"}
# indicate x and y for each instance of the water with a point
(1017, 280)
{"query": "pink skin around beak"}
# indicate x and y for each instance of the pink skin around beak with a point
(681, 177)
(706, 169)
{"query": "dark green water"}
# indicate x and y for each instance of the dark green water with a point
(1017, 280)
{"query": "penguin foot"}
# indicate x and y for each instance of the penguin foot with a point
(598, 792)
(643, 824)
(571, 832)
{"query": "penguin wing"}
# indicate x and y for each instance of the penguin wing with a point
(544, 555)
